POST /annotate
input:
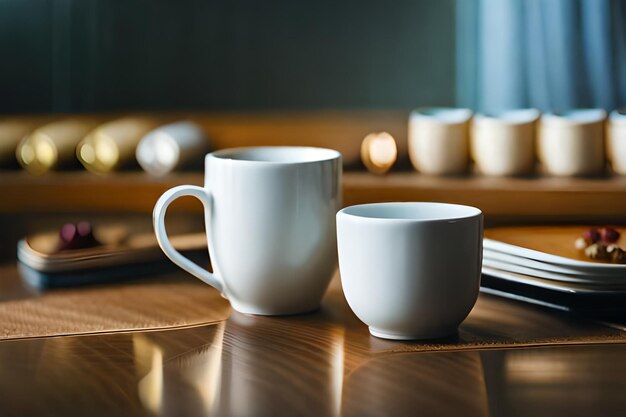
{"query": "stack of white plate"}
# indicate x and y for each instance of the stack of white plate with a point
(520, 265)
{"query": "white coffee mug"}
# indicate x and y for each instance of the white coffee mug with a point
(270, 223)
(438, 140)
(616, 142)
(504, 144)
(572, 143)
(410, 270)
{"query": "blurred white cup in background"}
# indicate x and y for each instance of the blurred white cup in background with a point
(438, 140)
(503, 144)
(616, 141)
(572, 143)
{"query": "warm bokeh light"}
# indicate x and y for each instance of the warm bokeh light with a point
(379, 152)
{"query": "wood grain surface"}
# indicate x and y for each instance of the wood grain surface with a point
(555, 240)
(208, 371)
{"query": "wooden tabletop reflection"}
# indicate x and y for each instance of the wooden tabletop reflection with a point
(231, 369)
(322, 364)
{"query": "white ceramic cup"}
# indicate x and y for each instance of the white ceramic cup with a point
(438, 140)
(616, 142)
(410, 270)
(572, 143)
(270, 222)
(503, 144)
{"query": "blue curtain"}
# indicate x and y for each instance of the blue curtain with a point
(553, 55)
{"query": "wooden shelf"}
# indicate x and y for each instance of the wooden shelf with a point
(524, 199)
(68, 192)
(510, 199)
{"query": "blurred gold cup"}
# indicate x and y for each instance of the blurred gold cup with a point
(112, 145)
(53, 145)
(12, 130)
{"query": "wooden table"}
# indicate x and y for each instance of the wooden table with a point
(321, 364)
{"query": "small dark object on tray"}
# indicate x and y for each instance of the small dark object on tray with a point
(609, 235)
(77, 236)
(591, 235)
(600, 244)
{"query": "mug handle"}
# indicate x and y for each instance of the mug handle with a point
(158, 218)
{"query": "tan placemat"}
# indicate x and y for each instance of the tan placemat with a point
(497, 323)
(182, 301)
(494, 323)
(172, 301)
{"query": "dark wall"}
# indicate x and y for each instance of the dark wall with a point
(92, 55)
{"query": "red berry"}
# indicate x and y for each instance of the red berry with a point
(84, 229)
(609, 235)
(68, 232)
(77, 236)
(591, 235)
